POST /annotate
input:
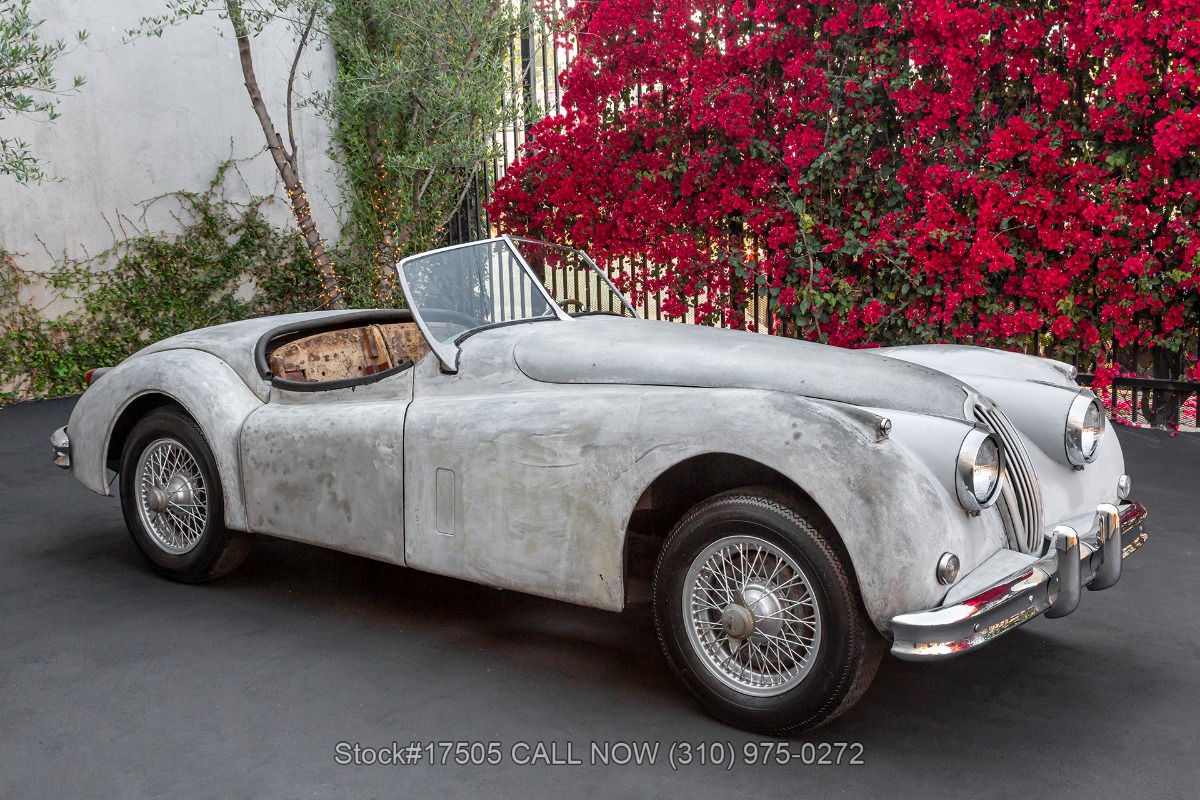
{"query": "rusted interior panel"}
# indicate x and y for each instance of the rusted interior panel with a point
(348, 353)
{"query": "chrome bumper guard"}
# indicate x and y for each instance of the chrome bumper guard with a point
(1051, 585)
(62, 448)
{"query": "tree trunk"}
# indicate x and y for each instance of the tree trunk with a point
(385, 255)
(385, 265)
(287, 168)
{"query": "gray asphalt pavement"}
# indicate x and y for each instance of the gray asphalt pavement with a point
(116, 683)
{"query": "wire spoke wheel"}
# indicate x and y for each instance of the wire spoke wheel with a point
(172, 499)
(759, 613)
(752, 616)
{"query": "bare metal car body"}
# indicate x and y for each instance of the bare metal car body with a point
(530, 454)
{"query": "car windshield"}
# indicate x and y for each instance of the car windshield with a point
(456, 290)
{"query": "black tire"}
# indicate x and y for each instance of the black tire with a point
(827, 675)
(186, 539)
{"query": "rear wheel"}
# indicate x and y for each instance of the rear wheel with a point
(760, 616)
(172, 501)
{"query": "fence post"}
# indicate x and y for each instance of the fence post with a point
(528, 78)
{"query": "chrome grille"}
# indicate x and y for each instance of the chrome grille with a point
(1027, 492)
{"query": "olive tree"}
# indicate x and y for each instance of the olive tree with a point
(28, 86)
(416, 103)
(247, 19)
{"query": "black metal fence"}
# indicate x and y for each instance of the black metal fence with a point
(534, 64)
(1151, 402)
(1151, 391)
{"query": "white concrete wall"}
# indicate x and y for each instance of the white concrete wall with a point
(156, 115)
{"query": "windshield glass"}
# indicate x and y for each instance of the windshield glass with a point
(462, 288)
(459, 289)
(573, 280)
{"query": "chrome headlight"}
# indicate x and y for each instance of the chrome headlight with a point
(1085, 429)
(980, 470)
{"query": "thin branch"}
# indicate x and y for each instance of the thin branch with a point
(417, 106)
(308, 26)
(462, 196)
(424, 186)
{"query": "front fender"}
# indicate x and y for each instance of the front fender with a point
(894, 516)
(202, 384)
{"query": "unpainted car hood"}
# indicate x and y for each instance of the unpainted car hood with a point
(643, 352)
(969, 363)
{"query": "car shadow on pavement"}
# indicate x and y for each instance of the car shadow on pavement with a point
(1030, 673)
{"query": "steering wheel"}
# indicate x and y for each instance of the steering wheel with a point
(571, 301)
(450, 316)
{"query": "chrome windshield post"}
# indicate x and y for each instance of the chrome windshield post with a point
(604, 276)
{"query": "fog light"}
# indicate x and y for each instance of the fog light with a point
(1124, 485)
(947, 568)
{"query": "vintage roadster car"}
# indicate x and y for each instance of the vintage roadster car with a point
(788, 508)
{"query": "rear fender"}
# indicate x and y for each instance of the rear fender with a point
(203, 385)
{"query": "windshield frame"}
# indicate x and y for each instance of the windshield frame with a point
(448, 351)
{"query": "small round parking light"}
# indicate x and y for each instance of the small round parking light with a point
(947, 569)
(1124, 487)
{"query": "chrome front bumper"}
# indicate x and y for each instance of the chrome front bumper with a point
(1051, 585)
(62, 448)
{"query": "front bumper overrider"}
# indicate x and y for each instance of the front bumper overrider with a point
(1051, 585)
(62, 448)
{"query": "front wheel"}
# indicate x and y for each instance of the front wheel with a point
(172, 502)
(759, 614)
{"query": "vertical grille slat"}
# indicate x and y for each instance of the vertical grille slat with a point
(1024, 480)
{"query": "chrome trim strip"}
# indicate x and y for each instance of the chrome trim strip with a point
(1020, 474)
(949, 630)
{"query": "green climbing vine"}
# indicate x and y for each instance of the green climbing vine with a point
(226, 262)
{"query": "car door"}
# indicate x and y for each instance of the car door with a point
(327, 467)
(522, 485)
